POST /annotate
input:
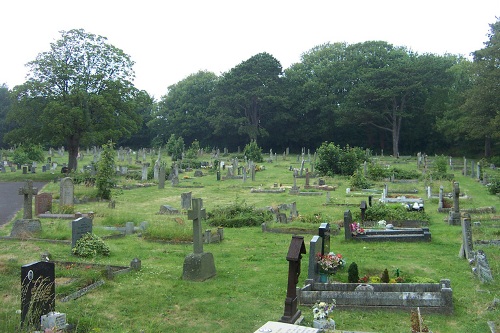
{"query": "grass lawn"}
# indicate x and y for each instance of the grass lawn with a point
(250, 286)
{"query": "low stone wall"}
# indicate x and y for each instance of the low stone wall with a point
(430, 297)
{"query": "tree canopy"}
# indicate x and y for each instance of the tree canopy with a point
(78, 92)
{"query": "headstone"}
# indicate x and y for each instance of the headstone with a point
(454, 216)
(37, 292)
(466, 250)
(144, 175)
(294, 257)
(28, 191)
(315, 247)
(307, 177)
(324, 233)
(441, 203)
(199, 265)
(79, 228)
(129, 228)
(363, 208)
(25, 228)
(186, 200)
(43, 203)
(166, 209)
(161, 178)
(347, 224)
(482, 268)
(66, 192)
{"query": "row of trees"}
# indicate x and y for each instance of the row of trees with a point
(371, 94)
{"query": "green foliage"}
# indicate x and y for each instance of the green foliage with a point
(192, 152)
(494, 186)
(404, 174)
(380, 211)
(105, 173)
(334, 160)
(90, 245)
(377, 172)
(175, 147)
(28, 153)
(359, 181)
(237, 215)
(253, 152)
(385, 276)
(440, 164)
(353, 273)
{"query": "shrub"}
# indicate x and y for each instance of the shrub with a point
(353, 273)
(404, 174)
(359, 181)
(28, 153)
(174, 147)
(334, 160)
(380, 211)
(494, 186)
(105, 173)
(376, 172)
(253, 152)
(90, 245)
(238, 215)
(385, 276)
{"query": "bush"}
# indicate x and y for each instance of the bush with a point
(353, 273)
(385, 276)
(494, 186)
(174, 147)
(253, 152)
(359, 181)
(238, 215)
(380, 211)
(404, 174)
(28, 153)
(334, 160)
(89, 246)
(105, 173)
(376, 172)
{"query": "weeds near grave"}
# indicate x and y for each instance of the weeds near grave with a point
(238, 215)
(90, 245)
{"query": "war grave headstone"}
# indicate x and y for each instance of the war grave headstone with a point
(186, 200)
(79, 228)
(27, 226)
(43, 203)
(144, 175)
(161, 178)
(66, 192)
(37, 292)
(199, 265)
(294, 257)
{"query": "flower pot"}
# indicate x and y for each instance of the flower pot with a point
(323, 277)
(324, 324)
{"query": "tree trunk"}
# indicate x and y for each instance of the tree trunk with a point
(73, 144)
(487, 146)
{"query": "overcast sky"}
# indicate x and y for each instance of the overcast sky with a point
(169, 40)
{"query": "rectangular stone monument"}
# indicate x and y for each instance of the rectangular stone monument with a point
(66, 192)
(43, 203)
(161, 178)
(315, 246)
(186, 200)
(454, 217)
(347, 224)
(467, 249)
(37, 292)
(79, 228)
(144, 175)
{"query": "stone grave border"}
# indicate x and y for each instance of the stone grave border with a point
(430, 297)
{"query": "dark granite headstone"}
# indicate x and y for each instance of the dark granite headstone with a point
(347, 224)
(37, 292)
(324, 233)
(79, 228)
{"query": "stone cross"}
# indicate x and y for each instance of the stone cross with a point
(196, 214)
(28, 191)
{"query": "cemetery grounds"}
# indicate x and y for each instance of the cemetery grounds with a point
(251, 282)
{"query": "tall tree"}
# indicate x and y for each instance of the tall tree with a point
(184, 110)
(482, 105)
(245, 97)
(79, 92)
(5, 105)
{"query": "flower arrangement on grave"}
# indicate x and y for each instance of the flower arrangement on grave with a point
(356, 229)
(322, 315)
(329, 263)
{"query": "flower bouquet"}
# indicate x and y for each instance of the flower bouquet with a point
(321, 314)
(356, 229)
(329, 263)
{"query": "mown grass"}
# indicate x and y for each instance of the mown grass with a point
(250, 286)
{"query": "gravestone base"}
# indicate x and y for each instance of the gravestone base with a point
(26, 228)
(454, 218)
(198, 267)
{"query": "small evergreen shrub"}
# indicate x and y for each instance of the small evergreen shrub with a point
(359, 181)
(105, 173)
(353, 273)
(385, 276)
(253, 152)
(90, 245)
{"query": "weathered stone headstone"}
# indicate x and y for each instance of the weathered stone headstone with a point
(43, 203)
(482, 268)
(466, 250)
(199, 265)
(161, 178)
(66, 192)
(441, 203)
(294, 257)
(144, 175)
(37, 292)
(25, 228)
(166, 209)
(28, 191)
(454, 217)
(79, 228)
(347, 224)
(186, 200)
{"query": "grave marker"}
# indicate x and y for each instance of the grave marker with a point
(454, 217)
(294, 257)
(324, 233)
(28, 191)
(466, 250)
(43, 203)
(37, 292)
(186, 200)
(66, 192)
(199, 265)
(79, 228)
